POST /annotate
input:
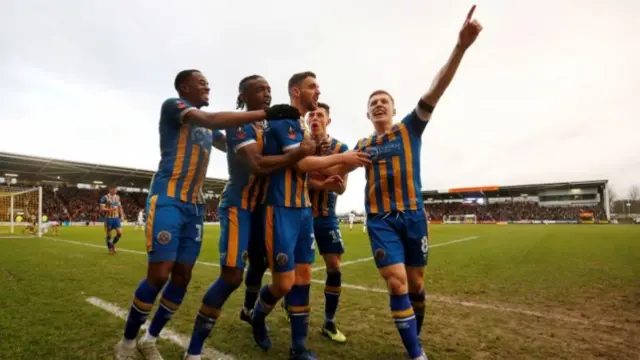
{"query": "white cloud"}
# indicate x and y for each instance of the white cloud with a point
(548, 93)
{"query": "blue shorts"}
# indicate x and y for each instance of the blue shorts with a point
(328, 236)
(288, 237)
(173, 229)
(112, 224)
(240, 235)
(399, 238)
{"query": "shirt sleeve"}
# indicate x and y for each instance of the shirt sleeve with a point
(239, 137)
(175, 109)
(103, 200)
(287, 133)
(343, 148)
(416, 121)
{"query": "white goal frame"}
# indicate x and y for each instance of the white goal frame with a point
(460, 219)
(12, 216)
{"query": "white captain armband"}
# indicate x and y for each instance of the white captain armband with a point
(424, 110)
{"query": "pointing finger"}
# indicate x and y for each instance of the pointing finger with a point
(470, 14)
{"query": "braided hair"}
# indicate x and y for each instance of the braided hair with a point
(242, 87)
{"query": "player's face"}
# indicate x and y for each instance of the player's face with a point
(197, 89)
(309, 94)
(258, 94)
(381, 108)
(318, 121)
(113, 191)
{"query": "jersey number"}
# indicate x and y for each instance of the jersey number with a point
(199, 237)
(425, 244)
(336, 236)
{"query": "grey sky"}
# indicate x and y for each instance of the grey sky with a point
(547, 93)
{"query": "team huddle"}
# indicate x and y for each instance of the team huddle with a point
(285, 174)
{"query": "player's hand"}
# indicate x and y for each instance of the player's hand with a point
(356, 158)
(308, 146)
(333, 180)
(282, 111)
(470, 30)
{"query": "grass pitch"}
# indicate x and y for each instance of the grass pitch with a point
(501, 292)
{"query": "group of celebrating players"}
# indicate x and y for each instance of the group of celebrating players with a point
(284, 176)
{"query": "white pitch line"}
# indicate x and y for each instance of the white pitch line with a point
(443, 299)
(357, 261)
(166, 334)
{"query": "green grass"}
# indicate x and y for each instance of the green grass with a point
(514, 292)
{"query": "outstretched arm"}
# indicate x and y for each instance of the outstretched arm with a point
(267, 164)
(325, 163)
(468, 34)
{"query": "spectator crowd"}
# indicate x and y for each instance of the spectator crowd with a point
(512, 211)
(77, 204)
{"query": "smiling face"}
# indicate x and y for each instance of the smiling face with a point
(381, 107)
(195, 89)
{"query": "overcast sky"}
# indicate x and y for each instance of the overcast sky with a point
(549, 92)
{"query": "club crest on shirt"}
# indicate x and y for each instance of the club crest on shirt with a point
(240, 134)
(291, 133)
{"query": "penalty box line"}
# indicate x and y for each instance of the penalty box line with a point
(439, 298)
(357, 261)
(166, 334)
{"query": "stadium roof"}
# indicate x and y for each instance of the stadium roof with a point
(40, 169)
(508, 191)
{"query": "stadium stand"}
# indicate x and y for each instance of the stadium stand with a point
(72, 190)
(566, 202)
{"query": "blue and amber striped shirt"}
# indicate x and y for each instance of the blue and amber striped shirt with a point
(323, 203)
(286, 187)
(184, 154)
(113, 205)
(393, 178)
(244, 189)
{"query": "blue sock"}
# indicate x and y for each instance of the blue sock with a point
(418, 303)
(109, 243)
(169, 303)
(143, 300)
(332, 289)
(252, 281)
(405, 320)
(116, 239)
(212, 303)
(264, 305)
(298, 307)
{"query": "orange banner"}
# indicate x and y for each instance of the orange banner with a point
(474, 189)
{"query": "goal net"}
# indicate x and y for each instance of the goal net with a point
(460, 219)
(20, 211)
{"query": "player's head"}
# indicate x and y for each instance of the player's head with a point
(113, 189)
(381, 107)
(319, 119)
(254, 92)
(192, 86)
(304, 90)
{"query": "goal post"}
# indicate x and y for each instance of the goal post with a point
(460, 219)
(21, 211)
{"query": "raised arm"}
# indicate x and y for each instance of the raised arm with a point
(468, 34)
